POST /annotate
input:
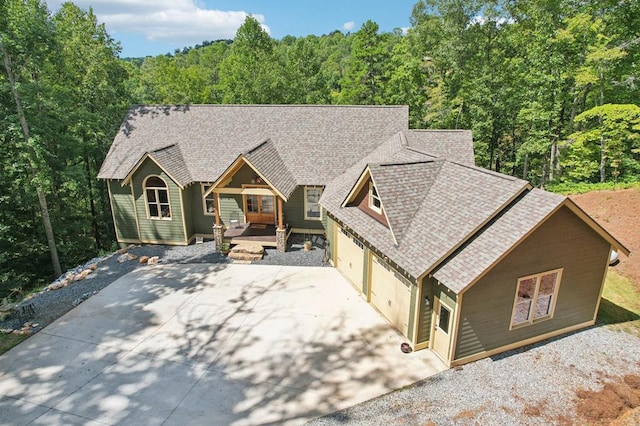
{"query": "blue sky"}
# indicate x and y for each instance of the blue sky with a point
(153, 27)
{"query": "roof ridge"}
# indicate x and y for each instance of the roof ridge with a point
(487, 171)
(175, 144)
(258, 146)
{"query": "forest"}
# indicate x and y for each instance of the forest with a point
(550, 89)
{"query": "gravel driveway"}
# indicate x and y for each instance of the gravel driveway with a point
(532, 385)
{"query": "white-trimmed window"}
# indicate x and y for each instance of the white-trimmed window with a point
(312, 210)
(157, 198)
(535, 298)
(444, 318)
(208, 201)
(374, 199)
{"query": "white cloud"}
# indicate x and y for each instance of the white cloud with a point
(348, 26)
(175, 21)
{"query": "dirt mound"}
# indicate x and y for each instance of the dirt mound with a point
(610, 403)
(619, 213)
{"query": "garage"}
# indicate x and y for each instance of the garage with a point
(350, 254)
(390, 294)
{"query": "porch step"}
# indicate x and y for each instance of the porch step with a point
(247, 252)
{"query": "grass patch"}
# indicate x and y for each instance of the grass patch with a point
(620, 305)
(7, 341)
(581, 188)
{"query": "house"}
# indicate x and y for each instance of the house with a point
(461, 260)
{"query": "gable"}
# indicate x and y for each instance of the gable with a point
(362, 201)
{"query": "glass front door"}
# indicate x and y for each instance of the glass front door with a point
(260, 208)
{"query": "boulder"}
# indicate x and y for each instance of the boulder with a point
(122, 258)
(153, 260)
(122, 251)
(249, 248)
(143, 259)
(93, 266)
(244, 256)
(131, 256)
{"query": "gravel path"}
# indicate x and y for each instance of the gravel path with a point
(535, 385)
(529, 386)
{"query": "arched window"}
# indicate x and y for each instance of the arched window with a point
(157, 195)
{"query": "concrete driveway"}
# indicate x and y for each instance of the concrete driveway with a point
(208, 344)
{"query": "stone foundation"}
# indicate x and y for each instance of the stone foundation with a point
(281, 240)
(218, 235)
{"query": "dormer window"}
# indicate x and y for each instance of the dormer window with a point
(374, 200)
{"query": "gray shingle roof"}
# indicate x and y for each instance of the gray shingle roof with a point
(497, 238)
(267, 160)
(454, 145)
(402, 187)
(317, 143)
(459, 201)
(171, 160)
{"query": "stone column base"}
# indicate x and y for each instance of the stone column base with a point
(218, 236)
(281, 240)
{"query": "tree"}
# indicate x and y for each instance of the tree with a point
(617, 128)
(26, 38)
(364, 80)
(252, 73)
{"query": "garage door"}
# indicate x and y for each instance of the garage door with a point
(390, 294)
(350, 254)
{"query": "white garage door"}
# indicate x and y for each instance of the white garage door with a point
(391, 294)
(350, 255)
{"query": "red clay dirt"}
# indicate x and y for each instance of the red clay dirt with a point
(619, 213)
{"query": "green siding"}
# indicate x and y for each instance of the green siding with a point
(426, 310)
(230, 204)
(564, 241)
(293, 211)
(242, 177)
(201, 223)
(123, 211)
(329, 226)
(188, 209)
(157, 230)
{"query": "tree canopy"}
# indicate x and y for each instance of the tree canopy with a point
(549, 88)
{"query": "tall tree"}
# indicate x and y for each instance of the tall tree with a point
(25, 39)
(365, 78)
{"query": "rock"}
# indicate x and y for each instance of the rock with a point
(93, 266)
(248, 248)
(143, 259)
(82, 275)
(131, 256)
(244, 256)
(59, 284)
(247, 252)
(153, 260)
(6, 330)
(122, 258)
(122, 251)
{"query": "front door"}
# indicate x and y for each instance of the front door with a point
(260, 208)
(442, 330)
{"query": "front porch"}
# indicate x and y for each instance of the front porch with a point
(259, 233)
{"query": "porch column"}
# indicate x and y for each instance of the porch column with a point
(218, 234)
(281, 233)
(217, 208)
